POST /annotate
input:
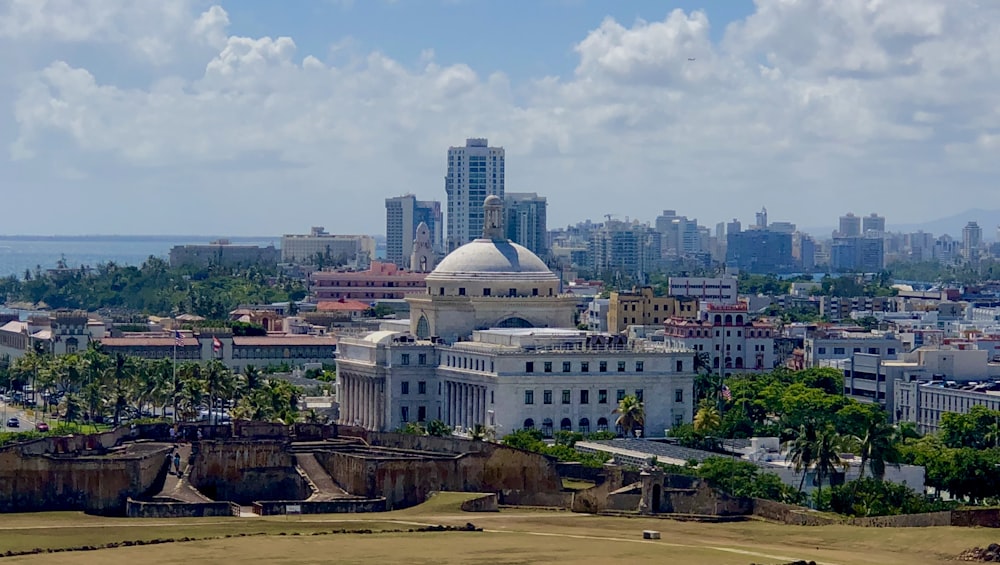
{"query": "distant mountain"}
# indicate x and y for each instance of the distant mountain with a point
(951, 225)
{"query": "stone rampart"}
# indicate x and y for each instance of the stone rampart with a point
(484, 503)
(339, 506)
(141, 509)
(905, 520)
(245, 471)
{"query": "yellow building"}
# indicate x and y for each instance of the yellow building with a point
(641, 308)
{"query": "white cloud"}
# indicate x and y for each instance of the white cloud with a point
(811, 107)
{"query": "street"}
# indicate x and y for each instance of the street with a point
(9, 411)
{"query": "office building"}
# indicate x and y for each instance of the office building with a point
(708, 290)
(223, 253)
(642, 308)
(857, 254)
(760, 251)
(475, 171)
(526, 224)
(402, 216)
(623, 249)
(873, 223)
(972, 241)
(850, 226)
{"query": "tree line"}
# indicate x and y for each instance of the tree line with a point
(151, 288)
(95, 387)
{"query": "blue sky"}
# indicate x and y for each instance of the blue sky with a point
(257, 117)
(523, 38)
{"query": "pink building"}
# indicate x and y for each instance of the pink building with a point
(381, 281)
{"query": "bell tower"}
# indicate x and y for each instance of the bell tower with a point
(493, 224)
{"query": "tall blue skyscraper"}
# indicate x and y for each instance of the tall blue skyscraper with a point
(475, 171)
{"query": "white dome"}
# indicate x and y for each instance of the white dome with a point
(492, 259)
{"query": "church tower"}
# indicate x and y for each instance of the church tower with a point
(422, 258)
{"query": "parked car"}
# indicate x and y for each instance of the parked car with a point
(42, 427)
(13, 423)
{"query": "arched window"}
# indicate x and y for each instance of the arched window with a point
(602, 424)
(515, 322)
(715, 362)
(718, 320)
(529, 424)
(739, 362)
(423, 328)
(739, 320)
(584, 426)
(729, 362)
(547, 427)
(729, 319)
(566, 425)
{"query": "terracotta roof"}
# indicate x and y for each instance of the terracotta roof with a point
(158, 341)
(338, 306)
(286, 340)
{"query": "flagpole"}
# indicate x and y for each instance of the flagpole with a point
(173, 396)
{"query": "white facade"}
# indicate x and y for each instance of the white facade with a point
(475, 171)
(719, 290)
(511, 379)
(358, 250)
(818, 349)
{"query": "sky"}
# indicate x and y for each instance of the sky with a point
(255, 117)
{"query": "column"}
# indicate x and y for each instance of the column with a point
(366, 409)
(447, 402)
(345, 402)
(371, 404)
(479, 405)
(463, 409)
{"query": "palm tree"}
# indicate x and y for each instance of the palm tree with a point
(801, 449)
(879, 445)
(708, 419)
(829, 445)
(631, 415)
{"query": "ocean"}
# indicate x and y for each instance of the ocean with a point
(20, 253)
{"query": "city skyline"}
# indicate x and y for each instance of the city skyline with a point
(234, 117)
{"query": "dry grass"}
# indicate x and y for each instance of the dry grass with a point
(513, 537)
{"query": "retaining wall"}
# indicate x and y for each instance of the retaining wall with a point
(245, 471)
(140, 509)
(339, 506)
(485, 503)
(790, 514)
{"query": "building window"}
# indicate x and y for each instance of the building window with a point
(548, 366)
(680, 366)
(584, 397)
(585, 366)
(566, 399)
(546, 397)
(584, 425)
(529, 397)
(547, 427)
(836, 350)
(621, 366)
(638, 394)
(639, 365)
(890, 351)
(534, 292)
(603, 367)
(873, 350)
(461, 291)
(422, 387)
(566, 425)
(566, 366)
(486, 292)
(602, 424)
(422, 359)
(679, 395)
(620, 395)
(602, 396)
(421, 413)
(404, 387)
(404, 414)
(529, 366)
(678, 420)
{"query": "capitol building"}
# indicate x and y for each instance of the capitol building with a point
(493, 343)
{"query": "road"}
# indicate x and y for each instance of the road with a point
(9, 411)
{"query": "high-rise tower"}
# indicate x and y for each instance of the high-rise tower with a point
(475, 171)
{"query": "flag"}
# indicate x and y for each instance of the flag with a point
(216, 345)
(178, 339)
(727, 394)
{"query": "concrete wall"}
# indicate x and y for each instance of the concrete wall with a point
(463, 465)
(245, 471)
(485, 503)
(139, 509)
(341, 506)
(96, 484)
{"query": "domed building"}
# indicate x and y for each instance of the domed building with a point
(492, 344)
(490, 282)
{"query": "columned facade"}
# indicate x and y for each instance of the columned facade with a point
(362, 401)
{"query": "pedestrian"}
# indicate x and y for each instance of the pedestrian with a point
(199, 434)
(170, 458)
(177, 464)
(173, 433)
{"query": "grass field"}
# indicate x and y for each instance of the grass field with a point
(510, 537)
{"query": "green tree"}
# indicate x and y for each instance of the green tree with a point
(631, 415)
(828, 447)
(802, 449)
(707, 420)
(878, 446)
(438, 428)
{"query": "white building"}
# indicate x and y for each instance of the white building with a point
(843, 344)
(492, 343)
(354, 250)
(716, 290)
(475, 171)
